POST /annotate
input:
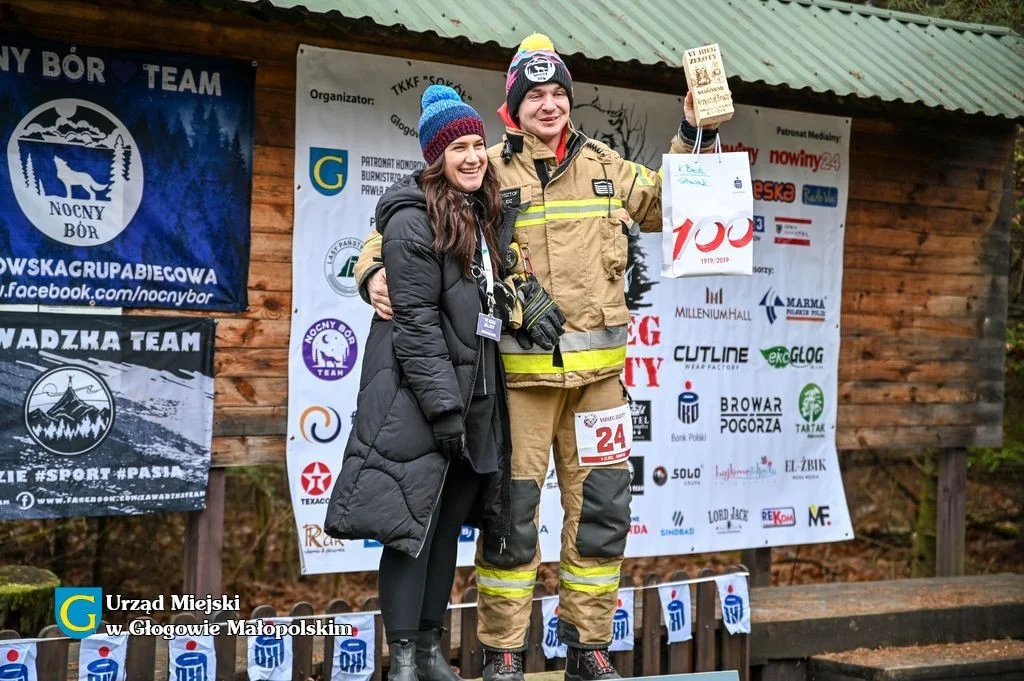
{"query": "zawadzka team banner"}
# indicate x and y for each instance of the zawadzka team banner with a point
(700, 349)
(104, 415)
(127, 178)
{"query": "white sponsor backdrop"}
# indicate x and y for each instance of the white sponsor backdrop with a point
(702, 482)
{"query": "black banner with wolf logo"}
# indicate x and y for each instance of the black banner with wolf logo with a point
(104, 415)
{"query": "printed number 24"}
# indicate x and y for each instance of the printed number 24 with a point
(606, 442)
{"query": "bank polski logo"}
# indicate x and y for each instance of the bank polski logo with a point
(69, 410)
(76, 172)
(340, 265)
(329, 349)
(812, 402)
(328, 170)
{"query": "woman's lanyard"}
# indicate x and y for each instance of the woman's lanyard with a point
(487, 325)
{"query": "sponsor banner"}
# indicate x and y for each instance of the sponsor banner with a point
(18, 660)
(735, 598)
(552, 643)
(127, 179)
(622, 622)
(269, 657)
(354, 656)
(717, 367)
(192, 657)
(102, 657)
(81, 431)
(675, 608)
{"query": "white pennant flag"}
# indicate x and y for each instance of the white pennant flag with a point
(622, 623)
(270, 657)
(354, 655)
(18, 660)
(192, 658)
(735, 597)
(101, 658)
(675, 607)
(552, 644)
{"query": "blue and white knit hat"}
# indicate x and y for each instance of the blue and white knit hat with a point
(445, 118)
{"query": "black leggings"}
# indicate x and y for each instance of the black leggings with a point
(414, 592)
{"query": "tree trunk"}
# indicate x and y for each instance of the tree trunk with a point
(26, 599)
(923, 559)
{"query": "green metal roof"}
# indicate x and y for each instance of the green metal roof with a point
(826, 46)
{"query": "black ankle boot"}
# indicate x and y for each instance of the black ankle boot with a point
(502, 665)
(589, 665)
(403, 661)
(431, 661)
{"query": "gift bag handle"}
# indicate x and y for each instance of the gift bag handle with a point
(718, 143)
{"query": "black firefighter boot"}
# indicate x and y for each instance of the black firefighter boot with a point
(502, 665)
(431, 661)
(403, 661)
(589, 665)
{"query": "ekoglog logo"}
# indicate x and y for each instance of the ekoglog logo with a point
(75, 171)
(329, 349)
(78, 610)
(328, 170)
(340, 265)
(319, 424)
(69, 410)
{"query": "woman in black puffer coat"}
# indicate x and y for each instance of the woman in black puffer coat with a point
(429, 450)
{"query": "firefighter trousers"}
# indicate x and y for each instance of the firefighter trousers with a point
(595, 504)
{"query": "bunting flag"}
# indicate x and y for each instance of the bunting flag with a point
(270, 657)
(101, 658)
(191, 658)
(675, 606)
(18, 660)
(354, 656)
(735, 597)
(552, 644)
(622, 623)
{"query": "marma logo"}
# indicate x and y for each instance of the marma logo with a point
(328, 169)
(78, 610)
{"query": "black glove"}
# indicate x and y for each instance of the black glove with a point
(542, 320)
(449, 435)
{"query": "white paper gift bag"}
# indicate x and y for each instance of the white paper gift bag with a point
(707, 215)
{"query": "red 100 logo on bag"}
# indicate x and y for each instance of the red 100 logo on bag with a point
(723, 230)
(604, 437)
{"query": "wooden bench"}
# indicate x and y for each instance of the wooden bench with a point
(992, 660)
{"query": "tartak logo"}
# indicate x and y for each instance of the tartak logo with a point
(328, 169)
(78, 610)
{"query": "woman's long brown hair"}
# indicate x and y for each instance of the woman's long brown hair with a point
(452, 217)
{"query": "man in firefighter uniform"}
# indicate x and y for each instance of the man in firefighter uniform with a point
(577, 202)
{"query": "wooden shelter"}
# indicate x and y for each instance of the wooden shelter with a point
(927, 232)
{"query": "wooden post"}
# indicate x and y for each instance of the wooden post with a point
(535, 660)
(204, 541)
(650, 664)
(336, 607)
(302, 646)
(951, 523)
(759, 562)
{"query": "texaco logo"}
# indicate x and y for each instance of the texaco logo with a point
(69, 410)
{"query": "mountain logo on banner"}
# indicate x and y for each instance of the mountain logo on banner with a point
(812, 406)
(340, 266)
(329, 349)
(76, 172)
(328, 170)
(638, 280)
(315, 418)
(69, 410)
